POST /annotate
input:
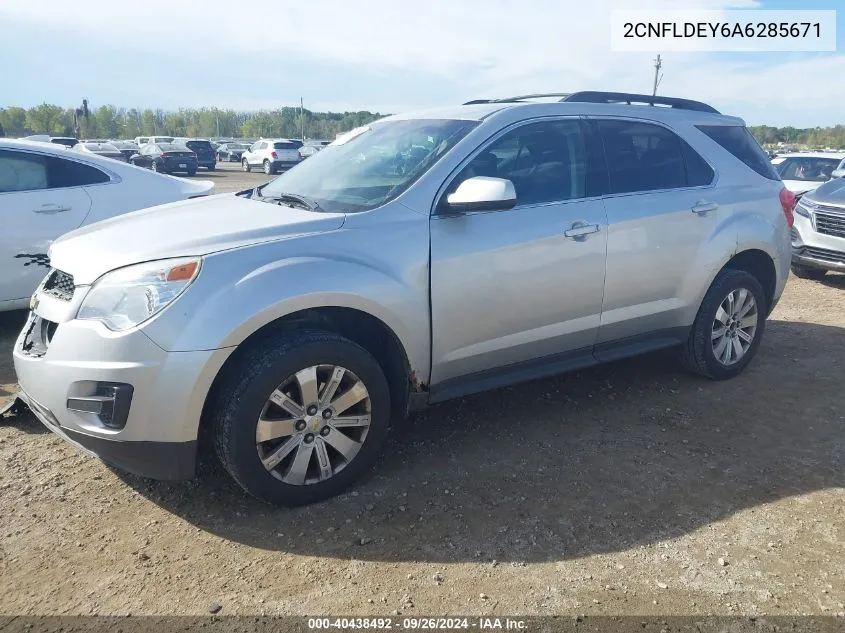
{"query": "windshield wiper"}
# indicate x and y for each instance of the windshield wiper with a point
(292, 198)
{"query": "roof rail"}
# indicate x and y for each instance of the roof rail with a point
(631, 98)
(590, 96)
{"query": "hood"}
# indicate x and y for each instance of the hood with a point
(801, 186)
(192, 227)
(831, 192)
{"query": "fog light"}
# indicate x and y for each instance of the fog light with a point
(110, 403)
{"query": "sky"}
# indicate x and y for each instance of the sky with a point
(386, 56)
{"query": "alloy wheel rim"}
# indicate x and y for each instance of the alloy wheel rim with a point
(734, 326)
(313, 425)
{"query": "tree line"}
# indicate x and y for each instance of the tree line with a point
(109, 121)
(814, 138)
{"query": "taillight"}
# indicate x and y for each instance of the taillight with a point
(165, 154)
(274, 155)
(788, 201)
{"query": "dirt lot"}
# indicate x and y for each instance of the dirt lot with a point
(628, 489)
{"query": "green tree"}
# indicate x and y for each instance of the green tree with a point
(13, 120)
(45, 119)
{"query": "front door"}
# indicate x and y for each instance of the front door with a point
(514, 292)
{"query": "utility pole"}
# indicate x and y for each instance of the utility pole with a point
(302, 117)
(218, 124)
(658, 63)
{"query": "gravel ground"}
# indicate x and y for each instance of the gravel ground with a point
(631, 488)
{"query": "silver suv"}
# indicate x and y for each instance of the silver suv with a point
(818, 237)
(423, 257)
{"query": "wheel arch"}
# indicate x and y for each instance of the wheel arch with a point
(361, 327)
(761, 266)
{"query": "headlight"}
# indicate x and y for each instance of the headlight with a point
(129, 296)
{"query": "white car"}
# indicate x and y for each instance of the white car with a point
(804, 171)
(46, 191)
(272, 155)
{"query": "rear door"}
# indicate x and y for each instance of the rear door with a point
(662, 210)
(41, 198)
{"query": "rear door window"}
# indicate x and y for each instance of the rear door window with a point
(642, 156)
(740, 142)
(22, 171)
(69, 173)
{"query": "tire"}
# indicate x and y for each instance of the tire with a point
(242, 396)
(212, 167)
(268, 168)
(699, 353)
(805, 272)
(192, 172)
(245, 166)
(154, 167)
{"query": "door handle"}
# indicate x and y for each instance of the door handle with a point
(703, 208)
(580, 230)
(51, 208)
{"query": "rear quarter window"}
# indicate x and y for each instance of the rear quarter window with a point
(739, 141)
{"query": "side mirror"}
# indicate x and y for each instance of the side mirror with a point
(482, 193)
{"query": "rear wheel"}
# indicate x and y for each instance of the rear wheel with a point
(727, 330)
(245, 165)
(300, 417)
(212, 167)
(192, 172)
(805, 272)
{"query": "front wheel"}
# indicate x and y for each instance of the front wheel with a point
(300, 417)
(727, 330)
(245, 165)
(268, 167)
(805, 272)
(154, 166)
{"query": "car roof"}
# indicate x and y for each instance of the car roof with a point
(481, 111)
(62, 151)
(833, 155)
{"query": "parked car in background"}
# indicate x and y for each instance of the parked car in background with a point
(127, 148)
(46, 191)
(818, 236)
(309, 148)
(272, 155)
(106, 150)
(66, 141)
(839, 172)
(202, 148)
(803, 172)
(302, 317)
(231, 152)
(142, 140)
(166, 158)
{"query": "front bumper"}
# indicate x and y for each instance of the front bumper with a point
(815, 249)
(156, 460)
(168, 391)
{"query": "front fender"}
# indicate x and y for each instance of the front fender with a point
(231, 299)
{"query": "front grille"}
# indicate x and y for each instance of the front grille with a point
(830, 221)
(60, 285)
(825, 255)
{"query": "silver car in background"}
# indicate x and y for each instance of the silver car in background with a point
(420, 258)
(100, 148)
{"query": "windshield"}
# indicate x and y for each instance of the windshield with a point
(370, 166)
(807, 169)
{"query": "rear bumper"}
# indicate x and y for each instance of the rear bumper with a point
(174, 165)
(156, 460)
